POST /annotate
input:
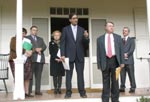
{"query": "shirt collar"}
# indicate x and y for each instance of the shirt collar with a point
(108, 34)
(33, 35)
(74, 26)
(126, 38)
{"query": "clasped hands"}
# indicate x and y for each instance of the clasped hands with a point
(62, 59)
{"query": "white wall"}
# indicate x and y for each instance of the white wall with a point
(118, 11)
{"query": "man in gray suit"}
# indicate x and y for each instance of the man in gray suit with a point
(38, 59)
(129, 46)
(109, 57)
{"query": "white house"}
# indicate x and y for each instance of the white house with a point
(50, 15)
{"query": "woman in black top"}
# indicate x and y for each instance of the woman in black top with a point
(56, 66)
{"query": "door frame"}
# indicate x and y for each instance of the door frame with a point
(93, 58)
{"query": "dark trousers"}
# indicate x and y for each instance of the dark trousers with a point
(37, 69)
(57, 81)
(129, 68)
(80, 77)
(109, 75)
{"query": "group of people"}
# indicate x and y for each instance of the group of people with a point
(34, 62)
(112, 52)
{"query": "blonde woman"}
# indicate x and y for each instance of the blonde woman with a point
(56, 67)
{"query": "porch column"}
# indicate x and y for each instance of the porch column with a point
(19, 72)
(148, 16)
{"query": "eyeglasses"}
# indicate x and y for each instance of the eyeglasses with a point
(34, 30)
(75, 18)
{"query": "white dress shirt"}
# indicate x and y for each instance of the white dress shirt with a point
(112, 44)
(126, 38)
(34, 37)
(74, 30)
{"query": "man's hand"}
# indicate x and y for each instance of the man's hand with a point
(63, 58)
(58, 60)
(125, 55)
(38, 50)
(122, 66)
(86, 34)
(28, 53)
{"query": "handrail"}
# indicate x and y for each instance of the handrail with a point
(4, 54)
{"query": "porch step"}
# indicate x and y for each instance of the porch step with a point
(122, 99)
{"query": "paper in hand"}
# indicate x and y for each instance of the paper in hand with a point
(66, 64)
(24, 58)
(118, 70)
(39, 58)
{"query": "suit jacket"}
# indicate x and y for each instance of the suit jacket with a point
(101, 53)
(39, 44)
(71, 48)
(129, 48)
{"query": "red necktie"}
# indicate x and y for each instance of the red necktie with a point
(124, 41)
(109, 48)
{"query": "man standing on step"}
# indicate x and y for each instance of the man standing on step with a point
(73, 40)
(129, 47)
(109, 57)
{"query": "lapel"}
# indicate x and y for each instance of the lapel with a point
(78, 32)
(115, 42)
(103, 42)
(127, 41)
(32, 40)
(71, 32)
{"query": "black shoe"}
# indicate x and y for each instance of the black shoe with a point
(28, 95)
(67, 96)
(55, 91)
(83, 96)
(132, 91)
(122, 90)
(59, 91)
(38, 93)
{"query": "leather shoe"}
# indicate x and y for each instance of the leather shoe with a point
(132, 91)
(122, 90)
(83, 96)
(67, 96)
(28, 95)
(38, 93)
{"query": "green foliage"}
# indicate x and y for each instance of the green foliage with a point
(143, 99)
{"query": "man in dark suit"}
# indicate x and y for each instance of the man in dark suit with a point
(109, 57)
(129, 46)
(73, 40)
(38, 59)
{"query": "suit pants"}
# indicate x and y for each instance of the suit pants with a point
(129, 68)
(37, 69)
(80, 77)
(110, 84)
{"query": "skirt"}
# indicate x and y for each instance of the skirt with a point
(27, 70)
(56, 69)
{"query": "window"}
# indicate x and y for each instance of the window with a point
(67, 11)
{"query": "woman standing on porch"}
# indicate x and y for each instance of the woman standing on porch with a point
(27, 63)
(56, 67)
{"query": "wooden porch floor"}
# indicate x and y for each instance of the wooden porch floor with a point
(48, 95)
